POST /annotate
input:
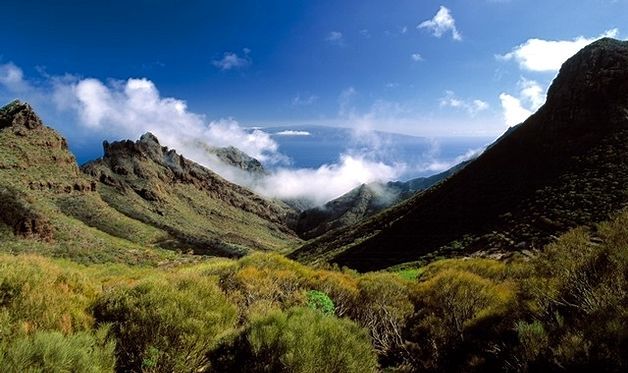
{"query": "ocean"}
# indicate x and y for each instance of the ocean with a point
(314, 146)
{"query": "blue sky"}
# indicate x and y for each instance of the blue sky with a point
(294, 72)
(114, 69)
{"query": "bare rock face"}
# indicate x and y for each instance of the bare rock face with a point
(18, 214)
(18, 114)
(236, 158)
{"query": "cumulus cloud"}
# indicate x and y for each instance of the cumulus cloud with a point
(472, 107)
(12, 78)
(442, 23)
(549, 55)
(518, 109)
(231, 60)
(126, 109)
(293, 133)
(416, 57)
(335, 37)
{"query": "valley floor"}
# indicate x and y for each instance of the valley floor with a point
(563, 310)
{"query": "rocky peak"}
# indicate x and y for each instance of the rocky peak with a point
(148, 145)
(237, 158)
(149, 138)
(596, 78)
(19, 114)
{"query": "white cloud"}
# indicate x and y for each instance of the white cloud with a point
(403, 29)
(518, 109)
(231, 60)
(127, 109)
(328, 181)
(299, 100)
(549, 55)
(335, 37)
(12, 77)
(442, 23)
(416, 57)
(472, 107)
(365, 33)
(293, 133)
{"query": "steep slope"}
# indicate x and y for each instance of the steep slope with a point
(157, 186)
(235, 157)
(362, 202)
(566, 165)
(41, 192)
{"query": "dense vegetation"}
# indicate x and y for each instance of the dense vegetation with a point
(267, 313)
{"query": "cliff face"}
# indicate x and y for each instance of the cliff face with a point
(567, 165)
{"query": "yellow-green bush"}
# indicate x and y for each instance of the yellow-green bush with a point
(38, 294)
(167, 323)
(300, 340)
(46, 351)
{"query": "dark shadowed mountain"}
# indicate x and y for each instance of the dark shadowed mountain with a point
(566, 165)
(362, 202)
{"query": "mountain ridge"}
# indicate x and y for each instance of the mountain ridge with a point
(113, 210)
(363, 202)
(564, 166)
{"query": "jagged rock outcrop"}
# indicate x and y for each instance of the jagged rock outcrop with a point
(19, 115)
(158, 186)
(566, 165)
(234, 157)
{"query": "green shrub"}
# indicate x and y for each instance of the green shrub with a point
(317, 300)
(166, 324)
(53, 352)
(533, 339)
(300, 340)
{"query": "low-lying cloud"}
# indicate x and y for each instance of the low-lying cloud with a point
(293, 133)
(327, 182)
